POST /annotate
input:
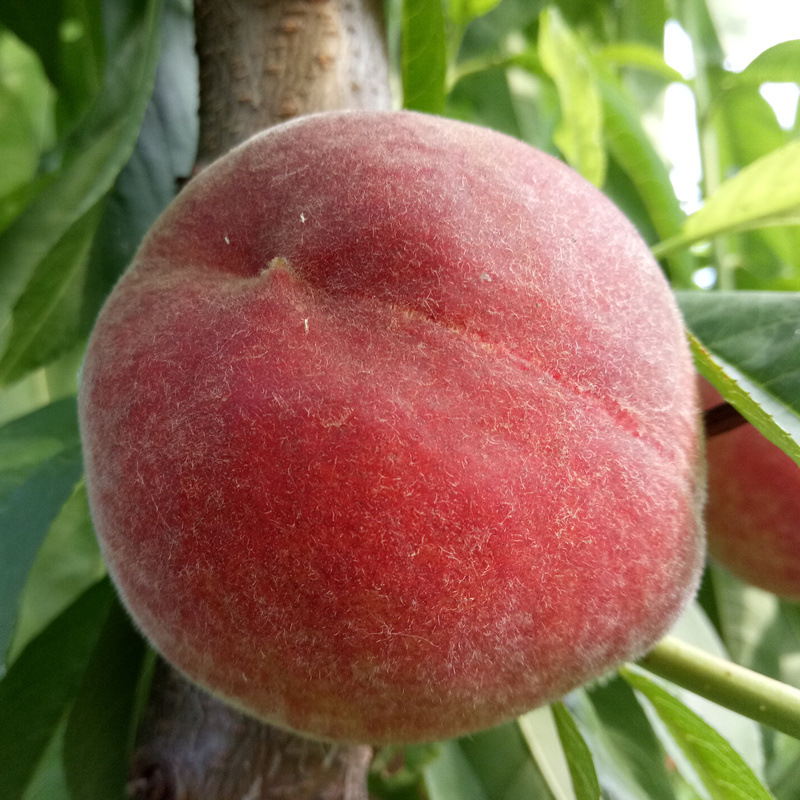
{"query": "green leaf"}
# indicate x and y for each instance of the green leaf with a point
(747, 345)
(47, 317)
(41, 683)
(629, 758)
(722, 770)
(27, 441)
(767, 192)
(450, 777)
(67, 563)
(423, 55)
(489, 765)
(37, 22)
(777, 64)
(101, 726)
(631, 147)
(580, 133)
(640, 56)
(93, 156)
(579, 758)
(462, 12)
(541, 735)
(25, 518)
(164, 153)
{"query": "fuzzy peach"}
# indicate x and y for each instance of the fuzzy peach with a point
(753, 511)
(390, 430)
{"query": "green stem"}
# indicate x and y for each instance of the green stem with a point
(756, 696)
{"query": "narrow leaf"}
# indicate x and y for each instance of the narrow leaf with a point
(93, 157)
(100, 728)
(462, 12)
(541, 735)
(449, 776)
(47, 316)
(580, 134)
(777, 64)
(767, 192)
(722, 770)
(424, 55)
(39, 685)
(25, 518)
(579, 757)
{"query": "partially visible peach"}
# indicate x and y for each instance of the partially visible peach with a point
(753, 509)
(390, 430)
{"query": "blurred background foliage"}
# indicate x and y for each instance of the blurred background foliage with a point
(684, 112)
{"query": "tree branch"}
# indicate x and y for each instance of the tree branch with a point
(262, 63)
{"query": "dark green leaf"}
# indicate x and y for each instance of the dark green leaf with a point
(101, 725)
(722, 770)
(748, 346)
(46, 319)
(68, 563)
(629, 759)
(41, 683)
(27, 441)
(164, 154)
(579, 758)
(25, 518)
(424, 55)
(93, 157)
(37, 23)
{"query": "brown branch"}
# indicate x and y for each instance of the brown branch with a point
(194, 747)
(265, 61)
(261, 62)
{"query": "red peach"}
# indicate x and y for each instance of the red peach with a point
(753, 511)
(391, 432)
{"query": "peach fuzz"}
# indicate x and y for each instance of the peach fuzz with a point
(753, 511)
(391, 431)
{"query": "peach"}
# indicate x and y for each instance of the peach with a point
(753, 511)
(391, 431)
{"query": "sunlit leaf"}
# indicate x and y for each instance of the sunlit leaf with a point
(67, 563)
(778, 64)
(47, 316)
(463, 12)
(632, 148)
(580, 133)
(541, 735)
(767, 192)
(489, 765)
(640, 56)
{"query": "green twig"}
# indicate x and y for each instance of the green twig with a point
(756, 696)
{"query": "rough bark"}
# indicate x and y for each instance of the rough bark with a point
(265, 61)
(194, 747)
(261, 62)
